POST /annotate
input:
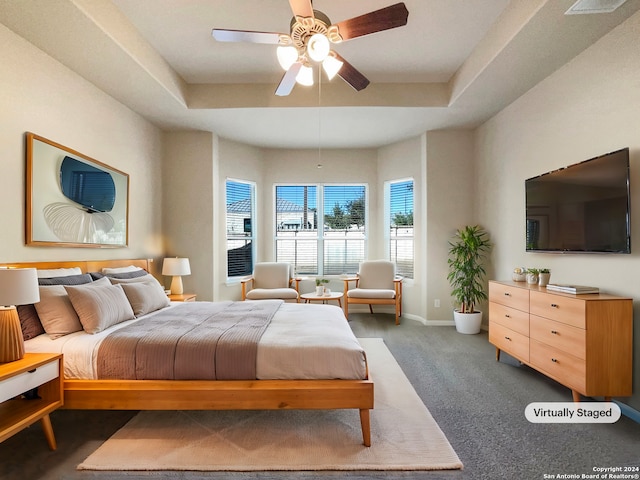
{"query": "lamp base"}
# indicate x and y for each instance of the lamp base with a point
(11, 340)
(176, 285)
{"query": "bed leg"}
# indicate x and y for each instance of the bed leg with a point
(366, 427)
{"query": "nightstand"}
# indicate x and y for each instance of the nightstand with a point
(43, 371)
(182, 297)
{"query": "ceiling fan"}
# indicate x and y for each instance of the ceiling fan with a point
(310, 38)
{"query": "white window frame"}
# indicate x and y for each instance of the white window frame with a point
(320, 234)
(254, 227)
(387, 223)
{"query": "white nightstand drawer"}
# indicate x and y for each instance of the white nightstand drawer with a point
(14, 386)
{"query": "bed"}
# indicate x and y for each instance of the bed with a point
(313, 391)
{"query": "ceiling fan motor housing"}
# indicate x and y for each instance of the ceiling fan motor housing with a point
(303, 28)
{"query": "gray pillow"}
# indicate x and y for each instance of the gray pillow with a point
(29, 321)
(67, 280)
(145, 297)
(56, 312)
(99, 307)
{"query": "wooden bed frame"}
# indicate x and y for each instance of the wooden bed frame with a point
(209, 394)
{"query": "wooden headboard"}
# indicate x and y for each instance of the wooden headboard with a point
(85, 265)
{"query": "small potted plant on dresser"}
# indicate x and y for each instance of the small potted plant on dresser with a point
(467, 252)
(544, 276)
(532, 275)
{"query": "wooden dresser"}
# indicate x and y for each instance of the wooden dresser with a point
(584, 342)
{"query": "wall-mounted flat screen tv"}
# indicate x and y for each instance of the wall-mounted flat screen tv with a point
(582, 208)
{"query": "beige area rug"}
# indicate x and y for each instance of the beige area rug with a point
(404, 435)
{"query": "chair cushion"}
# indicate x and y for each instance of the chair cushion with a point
(271, 275)
(371, 293)
(377, 274)
(268, 293)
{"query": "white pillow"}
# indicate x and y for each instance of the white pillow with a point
(130, 268)
(59, 272)
(99, 307)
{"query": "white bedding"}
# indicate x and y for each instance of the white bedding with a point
(303, 341)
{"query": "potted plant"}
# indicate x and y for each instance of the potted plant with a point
(532, 275)
(467, 252)
(544, 276)
(319, 286)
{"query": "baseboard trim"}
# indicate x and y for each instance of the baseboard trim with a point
(628, 411)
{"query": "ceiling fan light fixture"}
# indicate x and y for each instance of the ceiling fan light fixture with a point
(318, 47)
(331, 65)
(287, 56)
(305, 76)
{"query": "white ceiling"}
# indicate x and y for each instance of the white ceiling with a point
(455, 64)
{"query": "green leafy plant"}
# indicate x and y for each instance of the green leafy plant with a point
(533, 271)
(467, 252)
(320, 281)
(545, 270)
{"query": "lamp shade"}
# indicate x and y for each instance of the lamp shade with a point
(176, 266)
(18, 286)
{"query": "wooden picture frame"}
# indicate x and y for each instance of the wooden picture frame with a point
(73, 200)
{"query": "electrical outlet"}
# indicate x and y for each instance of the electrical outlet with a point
(436, 303)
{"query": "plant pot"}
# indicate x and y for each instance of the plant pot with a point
(532, 278)
(543, 279)
(319, 290)
(467, 323)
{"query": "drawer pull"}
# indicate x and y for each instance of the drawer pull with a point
(555, 332)
(554, 360)
(32, 371)
(554, 305)
(508, 338)
(507, 316)
(507, 294)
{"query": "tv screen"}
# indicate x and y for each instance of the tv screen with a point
(583, 208)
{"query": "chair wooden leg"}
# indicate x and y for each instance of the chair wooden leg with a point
(397, 314)
(346, 309)
(371, 308)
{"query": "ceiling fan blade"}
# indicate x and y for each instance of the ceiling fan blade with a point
(246, 36)
(301, 8)
(372, 22)
(288, 80)
(351, 75)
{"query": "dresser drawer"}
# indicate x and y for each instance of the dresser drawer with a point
(561, 366)
(571, 311)
(513, 297)
(510, 341)
(559, 335)
(18, 384)
(509, 317)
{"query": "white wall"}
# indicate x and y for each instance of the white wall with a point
(402, 160)
(188, 206)
(587, 108)
(450, 206)
(39, 95)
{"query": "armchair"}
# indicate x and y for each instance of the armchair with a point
(375, 284)
(270, 280)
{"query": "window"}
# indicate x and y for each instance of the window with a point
(240, 227)
(321, 241)
(399, 200)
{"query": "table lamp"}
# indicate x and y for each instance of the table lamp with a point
(176, 267)
(18, 286)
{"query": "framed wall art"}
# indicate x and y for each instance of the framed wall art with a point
(73, 200)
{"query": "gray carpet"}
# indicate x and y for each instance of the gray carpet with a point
(478, 403)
